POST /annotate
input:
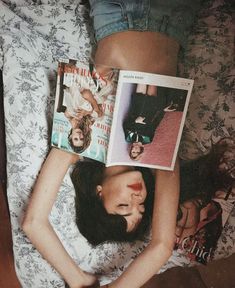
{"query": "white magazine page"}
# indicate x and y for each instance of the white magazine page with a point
(148, 119)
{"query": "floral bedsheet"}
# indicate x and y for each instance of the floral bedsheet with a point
(34, 34)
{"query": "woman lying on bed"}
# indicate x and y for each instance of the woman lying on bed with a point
(133, 35)
(114, 202)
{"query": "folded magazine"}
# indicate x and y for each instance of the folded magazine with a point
(119, 117)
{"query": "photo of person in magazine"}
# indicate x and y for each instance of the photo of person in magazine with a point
(148, 119)
(146, 111)
(81, 96)
(199, 227)
(206, 200)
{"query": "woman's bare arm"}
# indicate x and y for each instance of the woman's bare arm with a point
(37, 226)
(155, 255)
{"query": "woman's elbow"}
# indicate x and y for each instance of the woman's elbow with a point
(170, 248)
(166, 248)
(31, 225)
(170, 244)
(27, 225)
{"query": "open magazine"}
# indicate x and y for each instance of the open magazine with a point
(119, 117)
(200, 225)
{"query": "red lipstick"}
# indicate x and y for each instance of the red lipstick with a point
(136, 186)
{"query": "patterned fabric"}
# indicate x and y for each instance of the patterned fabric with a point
(209, 60)
(34, 34)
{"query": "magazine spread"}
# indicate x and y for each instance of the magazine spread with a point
(119, 117)
(200, 225)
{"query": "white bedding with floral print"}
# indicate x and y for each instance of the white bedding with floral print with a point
(33, 36)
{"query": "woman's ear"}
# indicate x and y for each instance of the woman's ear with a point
(99, 190)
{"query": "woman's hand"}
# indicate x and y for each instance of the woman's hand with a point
(80, 113)
(140, 120)
(87, 280)
(68, 114)
(90, 281)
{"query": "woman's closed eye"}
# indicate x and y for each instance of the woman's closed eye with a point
(127, 205)
(123, 208)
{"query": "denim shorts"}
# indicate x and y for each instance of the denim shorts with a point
(171, 17)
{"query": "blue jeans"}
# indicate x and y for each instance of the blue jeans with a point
(171, 17)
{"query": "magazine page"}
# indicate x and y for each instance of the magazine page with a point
(83, 108)
(200, 225)
(148, 119)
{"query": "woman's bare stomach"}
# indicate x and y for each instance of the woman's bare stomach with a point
(142, 51)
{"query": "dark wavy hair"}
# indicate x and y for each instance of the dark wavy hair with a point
(94, 223)
(203, 177)
(85, 125)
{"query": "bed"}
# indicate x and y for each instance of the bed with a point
(34, 35)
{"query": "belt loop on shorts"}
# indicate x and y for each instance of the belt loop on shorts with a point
(126, 15)
(164, 23)
(147, 8)
(130, 20)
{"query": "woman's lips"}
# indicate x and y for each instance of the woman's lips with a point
(135, 186)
